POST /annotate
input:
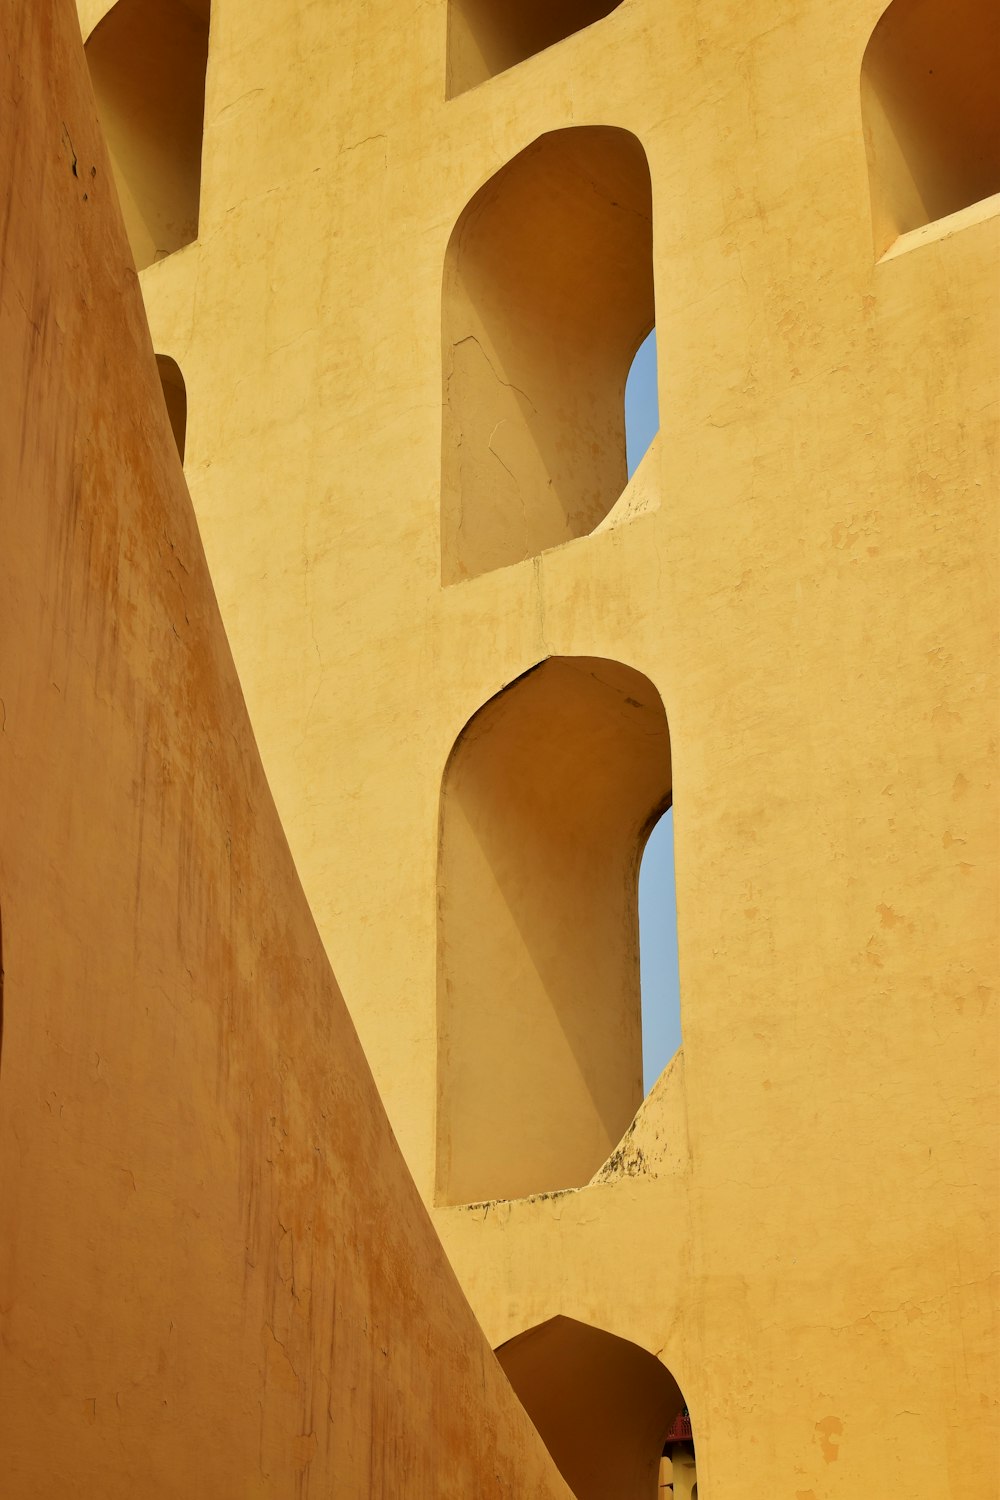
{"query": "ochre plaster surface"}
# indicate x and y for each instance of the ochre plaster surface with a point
(801, 1223)
(216, 1276)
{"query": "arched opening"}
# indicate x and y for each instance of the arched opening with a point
(546, 802)
(928, 104)
(147, 61)
(485, 37)
(602, 1405)
(175, 397)
(548, 292)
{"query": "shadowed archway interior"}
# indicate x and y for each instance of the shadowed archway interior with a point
(547, 295)
(546, 802)
(175, 398)
(485, 37)
(602, 1405)
(147, 62)
(929, 108)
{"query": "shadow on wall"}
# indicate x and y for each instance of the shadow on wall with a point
(929, 84)
(546, 802)
(604, 1407)
(485, 37)
(147, 61)
(548, 293)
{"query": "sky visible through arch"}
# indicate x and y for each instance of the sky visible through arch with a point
(661, 1022)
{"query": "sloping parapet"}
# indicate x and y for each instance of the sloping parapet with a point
(216, 1276)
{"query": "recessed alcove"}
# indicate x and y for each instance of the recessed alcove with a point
(929, 84)
(546, 802)
(175, 399)
(547, 295)
(147, 61)
(603, 1406)
(485, 37)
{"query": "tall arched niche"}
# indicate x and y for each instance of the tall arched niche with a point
(929, 84)
(147, 61)
(174, 398)
(548, 293)
(546, 802)
(485, 37)
(603, 1406)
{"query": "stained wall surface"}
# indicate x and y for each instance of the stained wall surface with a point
(800, 1223)
(216, 1276)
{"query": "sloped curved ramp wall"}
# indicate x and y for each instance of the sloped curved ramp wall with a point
(216, 1274)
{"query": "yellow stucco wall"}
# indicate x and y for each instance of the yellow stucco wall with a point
(805, 571)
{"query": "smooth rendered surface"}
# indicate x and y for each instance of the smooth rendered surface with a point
(217, 1280)
(800, 1225)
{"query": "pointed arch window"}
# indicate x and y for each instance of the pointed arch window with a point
(607, 1410)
